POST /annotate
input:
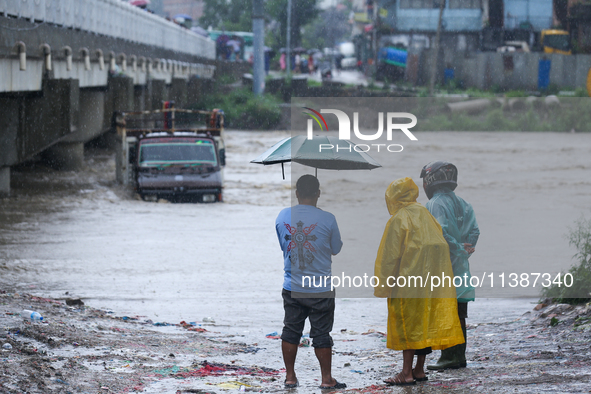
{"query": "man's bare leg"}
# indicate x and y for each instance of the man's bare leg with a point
(290, 352)
(324, 356)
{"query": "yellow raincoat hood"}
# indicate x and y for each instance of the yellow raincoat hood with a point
(411, 252)
(401, 193)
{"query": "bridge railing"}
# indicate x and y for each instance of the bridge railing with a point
(113, 18)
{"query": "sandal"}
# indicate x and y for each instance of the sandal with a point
(335, 386)
(398, 381)
(291, 385)
(423, 379)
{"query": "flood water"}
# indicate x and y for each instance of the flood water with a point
(83, 234)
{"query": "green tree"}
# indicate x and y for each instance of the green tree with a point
(327, 29)
(233, 15)
(236, 15)
(302, 13)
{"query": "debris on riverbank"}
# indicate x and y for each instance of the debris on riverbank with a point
(79, 349)
(87, 350)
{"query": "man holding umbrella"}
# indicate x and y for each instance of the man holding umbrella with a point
(308, 237)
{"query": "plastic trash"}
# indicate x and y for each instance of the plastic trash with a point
(31, 315)
(208, 320)
(273, 335)
(242, 389)
(7, 346)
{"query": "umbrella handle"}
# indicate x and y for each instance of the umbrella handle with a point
(282, 171)
(316, 173)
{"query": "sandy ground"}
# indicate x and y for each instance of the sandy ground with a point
(79, 235)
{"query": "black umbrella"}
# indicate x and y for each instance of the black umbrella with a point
(308, 152)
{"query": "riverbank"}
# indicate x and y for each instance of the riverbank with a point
(81, 349)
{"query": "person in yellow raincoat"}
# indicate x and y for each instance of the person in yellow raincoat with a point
(420, 318)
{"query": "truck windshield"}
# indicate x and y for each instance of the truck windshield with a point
(557, 41)
(186, 153)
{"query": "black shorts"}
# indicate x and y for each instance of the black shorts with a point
(463, 310)
(320, 312)
(424, 351)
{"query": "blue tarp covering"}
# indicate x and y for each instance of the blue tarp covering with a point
(393, 56)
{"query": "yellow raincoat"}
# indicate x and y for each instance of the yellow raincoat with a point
(413, 245)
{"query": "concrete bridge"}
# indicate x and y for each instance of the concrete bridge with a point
(66, 65)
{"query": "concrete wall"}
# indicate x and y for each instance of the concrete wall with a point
(507, 71)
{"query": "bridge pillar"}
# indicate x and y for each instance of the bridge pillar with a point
(4, 181)
(158, 93)
(58, 114)
(92, 116)
(68, 154)
(10, 124)
(179, 92)
(121, 96)
(197, 88)
(34, 121)
(140, 98)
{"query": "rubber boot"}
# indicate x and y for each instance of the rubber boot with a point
(448, 360)
(462, 350)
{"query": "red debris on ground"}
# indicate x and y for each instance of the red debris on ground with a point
(215, 369)
(191, 327)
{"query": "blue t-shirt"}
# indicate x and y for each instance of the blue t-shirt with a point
(308, 237)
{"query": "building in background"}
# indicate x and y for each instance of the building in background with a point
(171, 8)
(575, 17)
(193, 8)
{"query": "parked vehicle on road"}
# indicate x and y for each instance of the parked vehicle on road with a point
(514, 46)
(556, 41)
(164, 154)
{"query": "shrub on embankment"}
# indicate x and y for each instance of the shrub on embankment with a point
(244, 110)
(508, 114)
(579, 292)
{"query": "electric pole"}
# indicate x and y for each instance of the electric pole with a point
(435, 57)
(258, 29)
